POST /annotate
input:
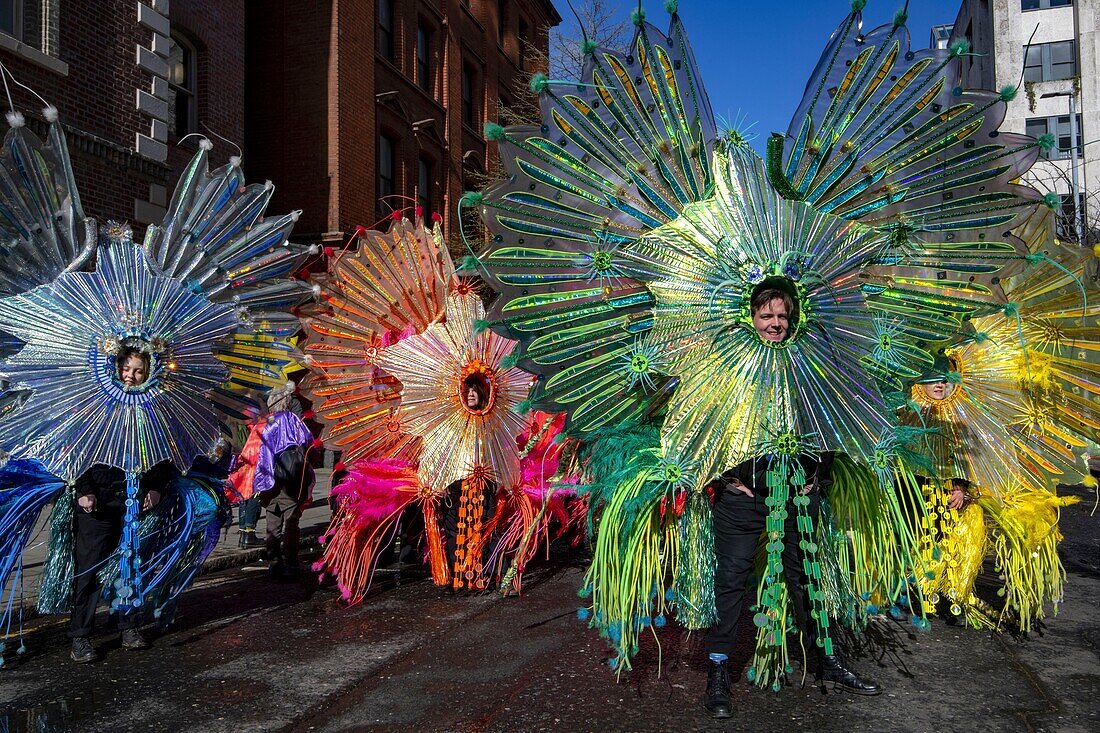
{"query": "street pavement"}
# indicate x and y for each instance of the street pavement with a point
(250, 654)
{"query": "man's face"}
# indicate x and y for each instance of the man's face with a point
(473, 399)
(133, 372)
(938, 390)
(772, 320)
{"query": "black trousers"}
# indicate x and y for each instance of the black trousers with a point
(739, 521)
(95, 536)
(284, 514)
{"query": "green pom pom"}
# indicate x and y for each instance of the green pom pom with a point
(540, 83)
(588, 47)
(1011, 310)
(493, 131)
(671, 6)
(469, 262)
(1046, 142)
(480, 325)
(1008, 93)
(471, 198)
(637, 16)
(560, 438)
(1052, 200)
(900, 18)
(959, 47)
(858, 5)
(1035, 258)
(510, 361)
(522, 408)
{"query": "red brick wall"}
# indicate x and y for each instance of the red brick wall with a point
(217, 27)
(97, 100)
(97, 40)
(315, 62)
(288, 106)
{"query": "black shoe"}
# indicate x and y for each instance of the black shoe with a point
(132, 639)
(247, 540)
(717, 699)
(82, 650)
(833, 670)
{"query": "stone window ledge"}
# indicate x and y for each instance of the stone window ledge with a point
(32, 54)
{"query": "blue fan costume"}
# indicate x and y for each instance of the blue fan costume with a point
(205, 301)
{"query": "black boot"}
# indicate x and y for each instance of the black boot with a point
(247, 539)
(717, 700)
(834, 670)
(83, 651)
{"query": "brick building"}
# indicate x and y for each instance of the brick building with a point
(360, 107)
(129, 80)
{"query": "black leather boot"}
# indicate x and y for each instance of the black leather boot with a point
(834, 670)
(247, 539)
(717, 699)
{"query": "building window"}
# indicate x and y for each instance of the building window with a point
(424, 186)
(11, 18)
(470, 97)
(1059, 127)
(502, 18)
(424, 58)
(384, 40)
(1043, 4)
(35, 23)
(1050, 61)
(182, 87)
(387, 173)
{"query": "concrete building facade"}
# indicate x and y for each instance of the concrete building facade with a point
(130, 80)
(366, 107)
(1049, 49)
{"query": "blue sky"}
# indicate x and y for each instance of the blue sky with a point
(755, 57)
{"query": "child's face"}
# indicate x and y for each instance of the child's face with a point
(133, 372)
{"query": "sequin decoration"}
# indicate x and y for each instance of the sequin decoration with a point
(79, 412)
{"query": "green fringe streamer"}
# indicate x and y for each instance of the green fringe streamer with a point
(604, 457)
(635, 549)
(694, 588)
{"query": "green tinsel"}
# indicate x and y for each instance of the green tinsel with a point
(775, 169)
(493, 131)
(56, 583)
(695, 572)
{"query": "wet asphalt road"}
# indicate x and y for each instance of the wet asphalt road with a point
(248, 654)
